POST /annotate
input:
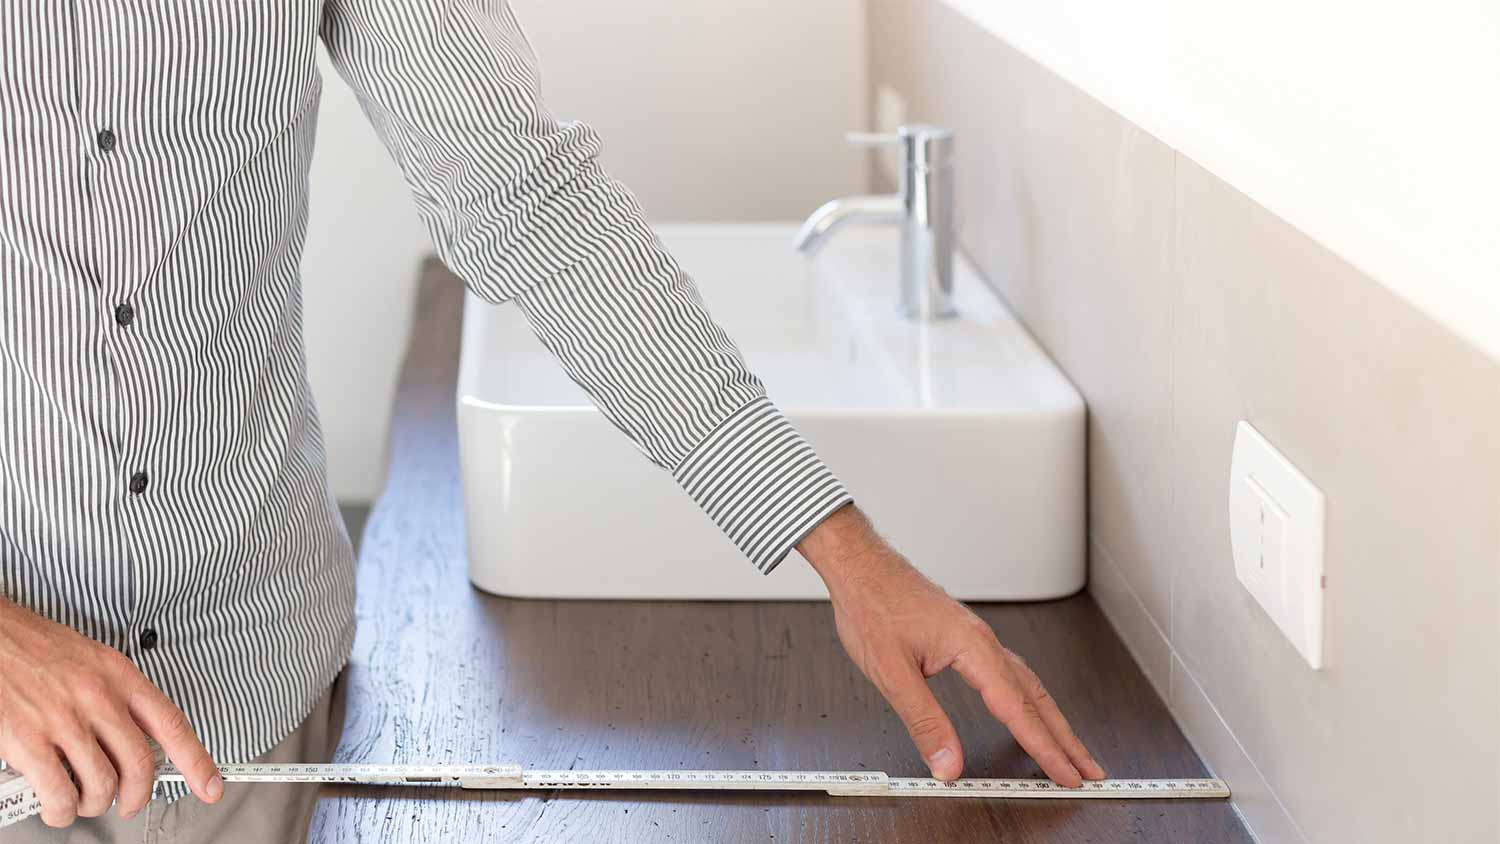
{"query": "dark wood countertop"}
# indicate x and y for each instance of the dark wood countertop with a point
(444, 673)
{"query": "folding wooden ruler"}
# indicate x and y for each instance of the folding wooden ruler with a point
(18, 801)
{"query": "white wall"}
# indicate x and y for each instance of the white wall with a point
(708, 110)
(1179, 306)
(1372, 126)
(715, 109)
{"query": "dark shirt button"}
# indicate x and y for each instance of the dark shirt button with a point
(149, 639)
(106, 140)
(124, 314)
(138, 483)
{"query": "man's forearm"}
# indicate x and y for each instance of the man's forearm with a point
(8, 609)
(841, 548)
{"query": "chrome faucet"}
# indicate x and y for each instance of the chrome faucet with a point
(923, 207)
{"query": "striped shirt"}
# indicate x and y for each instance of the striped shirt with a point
(163, 472)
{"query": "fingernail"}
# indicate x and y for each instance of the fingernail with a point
(215, 787)
(940, 762)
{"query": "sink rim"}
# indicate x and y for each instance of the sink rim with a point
(1011, 374)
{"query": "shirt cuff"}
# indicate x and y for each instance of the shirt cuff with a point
(760, 482)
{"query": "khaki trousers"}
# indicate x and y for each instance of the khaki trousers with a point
(276, 813)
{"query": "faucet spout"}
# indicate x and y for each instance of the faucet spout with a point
(923, 207)
(833, 215)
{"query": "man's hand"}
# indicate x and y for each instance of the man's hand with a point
(64, 697)
(900, 629)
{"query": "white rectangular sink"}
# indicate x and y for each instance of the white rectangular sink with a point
(960, 438)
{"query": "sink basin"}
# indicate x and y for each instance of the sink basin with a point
(961, 438)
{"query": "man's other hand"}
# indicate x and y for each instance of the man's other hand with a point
(67, 698)
(900, 628)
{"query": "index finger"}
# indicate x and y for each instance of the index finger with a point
(986, 670)
(163, 721)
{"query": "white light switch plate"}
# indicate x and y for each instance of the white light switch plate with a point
(1276, 530)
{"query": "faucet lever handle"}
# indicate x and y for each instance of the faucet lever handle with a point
(871, 139)
(926, 146)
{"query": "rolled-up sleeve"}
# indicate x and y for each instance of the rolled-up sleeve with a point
(519, 207)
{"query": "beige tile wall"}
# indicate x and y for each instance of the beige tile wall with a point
(1179, 307)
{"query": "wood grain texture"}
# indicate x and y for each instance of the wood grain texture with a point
(444, 673)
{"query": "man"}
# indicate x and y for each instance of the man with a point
(173, 566)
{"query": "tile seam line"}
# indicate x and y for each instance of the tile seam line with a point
(1177, 659)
